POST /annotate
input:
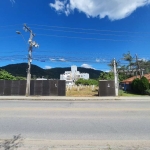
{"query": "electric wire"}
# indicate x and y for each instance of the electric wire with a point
(89, 33)
(88, 29)
(73, 37)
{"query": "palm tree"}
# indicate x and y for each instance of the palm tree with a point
(129, 58)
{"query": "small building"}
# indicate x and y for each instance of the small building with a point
(73, 75)
(129, 80)
(126, 84)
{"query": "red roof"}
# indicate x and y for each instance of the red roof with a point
(129, 80)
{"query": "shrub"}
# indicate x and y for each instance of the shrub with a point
(143, 85)
(135, 86)
(147, 92)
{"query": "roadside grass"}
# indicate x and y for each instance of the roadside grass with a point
(84, 91)
(127, 93)
(89, 91)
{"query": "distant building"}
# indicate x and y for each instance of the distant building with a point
(73, 75)
(41, 79)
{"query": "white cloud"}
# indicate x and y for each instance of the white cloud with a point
(12, 1)
(62, 59)
(87, 66)
(106, 70)
(52, 59)
(143, 59)
(98, 60)
(61, 6)
(58, 5)
(47, 67)
(113, 9)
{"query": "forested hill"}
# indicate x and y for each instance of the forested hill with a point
(54, 73)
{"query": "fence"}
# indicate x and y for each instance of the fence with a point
(37, 87)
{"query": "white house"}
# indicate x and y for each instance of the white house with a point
(73, 75)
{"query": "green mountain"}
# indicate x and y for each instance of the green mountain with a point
(54, 73)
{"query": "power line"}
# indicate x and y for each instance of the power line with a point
(89, 33)
(87, 29)
(71, 37)
(11, 25)
(9, 36)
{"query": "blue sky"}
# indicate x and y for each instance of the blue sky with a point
(86, 33)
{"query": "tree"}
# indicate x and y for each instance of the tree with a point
(4, 75)
(106, 76)
(122, 76)
(129, 58)
(86, 82)
(144, 64)
(135, 85)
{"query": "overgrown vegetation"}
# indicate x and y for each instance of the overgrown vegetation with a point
(4, 75)
(86, 82)
(83, 91)
(110, 76)
(106, 76)
(140, 86)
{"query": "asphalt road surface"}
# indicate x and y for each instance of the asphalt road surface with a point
(76, 121)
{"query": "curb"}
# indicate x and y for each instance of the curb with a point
(38, 98)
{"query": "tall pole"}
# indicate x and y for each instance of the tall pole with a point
(31, 45)
(115, 78)
(138, 66)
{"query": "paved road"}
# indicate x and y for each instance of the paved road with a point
(92, 121)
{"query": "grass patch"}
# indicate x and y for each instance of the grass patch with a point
(127, 93)
(86, 91)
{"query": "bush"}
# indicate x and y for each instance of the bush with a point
(135, 86)
(147, 92)
(139, 86)
(4, 75)
(86, 82)
(143, 85)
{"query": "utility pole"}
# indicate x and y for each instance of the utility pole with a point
(115, 78)
(138, 66)
(31, 45)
